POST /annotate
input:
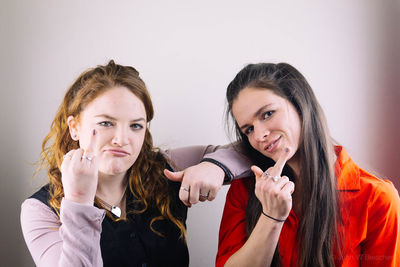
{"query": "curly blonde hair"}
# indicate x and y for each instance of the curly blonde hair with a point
(146, 180)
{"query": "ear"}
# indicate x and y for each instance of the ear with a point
(73, 128)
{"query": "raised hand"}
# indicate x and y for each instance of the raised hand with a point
(79, 173)
(273, 190)
(200, 182)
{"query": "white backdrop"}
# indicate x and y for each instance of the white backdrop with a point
(187, 52)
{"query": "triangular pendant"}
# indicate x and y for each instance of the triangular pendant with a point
(116, 211)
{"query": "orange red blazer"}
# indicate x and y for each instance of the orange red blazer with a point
(370, 209)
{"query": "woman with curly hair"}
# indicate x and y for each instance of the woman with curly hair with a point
(108, 201)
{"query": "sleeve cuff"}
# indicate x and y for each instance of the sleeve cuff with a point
(80, 214)
(228, 175)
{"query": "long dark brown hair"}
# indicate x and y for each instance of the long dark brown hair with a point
(318, 232)
(145, 178)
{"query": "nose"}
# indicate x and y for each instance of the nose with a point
(260, 132)
(120, 136)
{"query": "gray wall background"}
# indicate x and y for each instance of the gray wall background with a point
(187, 52)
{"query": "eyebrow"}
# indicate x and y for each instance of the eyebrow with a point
(114, 119)
(255, 115)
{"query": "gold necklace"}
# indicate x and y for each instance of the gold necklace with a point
(114, 209)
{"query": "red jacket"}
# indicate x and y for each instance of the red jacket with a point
(370, 208)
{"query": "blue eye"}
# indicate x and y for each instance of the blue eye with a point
(136, 126)
(105, 123)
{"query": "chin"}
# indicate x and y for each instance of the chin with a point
(114, 166)
(113, 170)
(270, 156)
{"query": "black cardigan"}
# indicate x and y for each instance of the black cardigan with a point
(133, 243)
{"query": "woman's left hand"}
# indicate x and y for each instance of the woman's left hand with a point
(200, 182)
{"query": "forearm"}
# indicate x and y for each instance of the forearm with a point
(237, 165)
(74, 242)
(260, 247)
(80, 232)
(184, 157)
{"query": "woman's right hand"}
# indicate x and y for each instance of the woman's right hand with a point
(275, 196)
(79, 174)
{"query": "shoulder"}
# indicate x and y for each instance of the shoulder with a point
(362, 186)
(43, 194)
(34, 212)
(33, 205)
(381, 192)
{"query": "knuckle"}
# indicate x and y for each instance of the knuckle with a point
(200, 183)
(285, 179)
(270, 169)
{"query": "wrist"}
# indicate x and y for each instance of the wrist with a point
(80, 198)
(228, 177)
(278, 220)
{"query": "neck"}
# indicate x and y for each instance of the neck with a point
(111, 187)
(294, 164)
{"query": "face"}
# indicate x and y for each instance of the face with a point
(270, 122)
(119, 118)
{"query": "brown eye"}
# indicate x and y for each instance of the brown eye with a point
(249, 130)
(268, 114)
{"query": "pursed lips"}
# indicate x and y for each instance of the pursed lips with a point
(117, 152)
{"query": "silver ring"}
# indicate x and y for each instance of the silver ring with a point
(266, 175)
(204, 195)
(185, 188)
(87, 157)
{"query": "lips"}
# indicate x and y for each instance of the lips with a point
(118, 152)
(271, 146)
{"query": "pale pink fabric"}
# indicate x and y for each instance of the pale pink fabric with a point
(74, 241)
(228, 155)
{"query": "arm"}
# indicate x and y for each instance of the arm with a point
(206, 177)
(276, 201)
(234, 249)
(382, 244)
(229, 156)
(74, 242)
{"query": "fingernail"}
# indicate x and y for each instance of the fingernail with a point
(94, 131)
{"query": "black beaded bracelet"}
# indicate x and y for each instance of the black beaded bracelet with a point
(272, 217)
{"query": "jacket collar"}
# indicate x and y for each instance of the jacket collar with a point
(347, 172)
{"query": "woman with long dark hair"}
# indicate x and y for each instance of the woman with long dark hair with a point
(313, 206)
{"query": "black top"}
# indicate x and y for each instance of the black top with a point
(133, 243)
